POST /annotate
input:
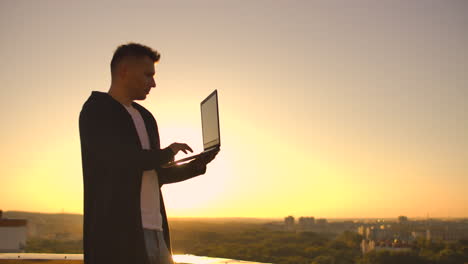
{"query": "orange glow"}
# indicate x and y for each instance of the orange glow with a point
(336, 118)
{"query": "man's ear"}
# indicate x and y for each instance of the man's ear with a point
(123, 70)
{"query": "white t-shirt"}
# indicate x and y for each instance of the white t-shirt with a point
(149, 195)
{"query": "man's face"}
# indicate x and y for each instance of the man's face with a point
(140, 78)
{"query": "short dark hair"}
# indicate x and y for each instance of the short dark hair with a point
(132, 50)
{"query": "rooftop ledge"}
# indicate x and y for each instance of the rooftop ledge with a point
(40, 258)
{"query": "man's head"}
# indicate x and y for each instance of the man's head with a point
(132, 69)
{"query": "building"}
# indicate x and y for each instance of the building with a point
(13, 233)
(289, 223)
(380, 233)
(402, 219)
(306, 223)
(415, 235)
(362, 230)
(446, 234)
(321, 222)
(385, 245)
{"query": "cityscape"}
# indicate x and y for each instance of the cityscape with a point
(303, 239)
(399, 234)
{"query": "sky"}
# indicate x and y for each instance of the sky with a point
(327, 108)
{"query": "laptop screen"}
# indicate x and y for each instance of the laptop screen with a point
(210, 121)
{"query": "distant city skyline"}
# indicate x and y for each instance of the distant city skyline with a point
(327, 108)
(279, 218)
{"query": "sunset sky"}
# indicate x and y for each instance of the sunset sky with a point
(327, 108)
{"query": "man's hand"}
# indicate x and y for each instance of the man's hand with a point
(201, 162)
(176, 147)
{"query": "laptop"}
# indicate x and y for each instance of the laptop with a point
(210, 127)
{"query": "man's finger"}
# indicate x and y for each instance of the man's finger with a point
(188, 147)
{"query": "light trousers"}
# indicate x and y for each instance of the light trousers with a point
(156, 247)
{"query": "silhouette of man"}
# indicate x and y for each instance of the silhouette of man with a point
(124, 216)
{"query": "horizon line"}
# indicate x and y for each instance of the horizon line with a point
(261, 217)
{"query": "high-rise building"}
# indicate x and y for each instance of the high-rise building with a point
(306, 223)
(289, 222)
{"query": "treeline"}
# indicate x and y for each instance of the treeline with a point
(270, 246)
(58, 246)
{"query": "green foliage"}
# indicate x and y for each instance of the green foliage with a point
(324, 260)
(352, 239)
(424, 253)
(255, 243)
(387, 257)
(37, 245)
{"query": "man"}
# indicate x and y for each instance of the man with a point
(124, 216)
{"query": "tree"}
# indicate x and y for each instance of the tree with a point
(324, 260)
(449, 256)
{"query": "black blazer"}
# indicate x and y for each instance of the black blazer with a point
(113, 163)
